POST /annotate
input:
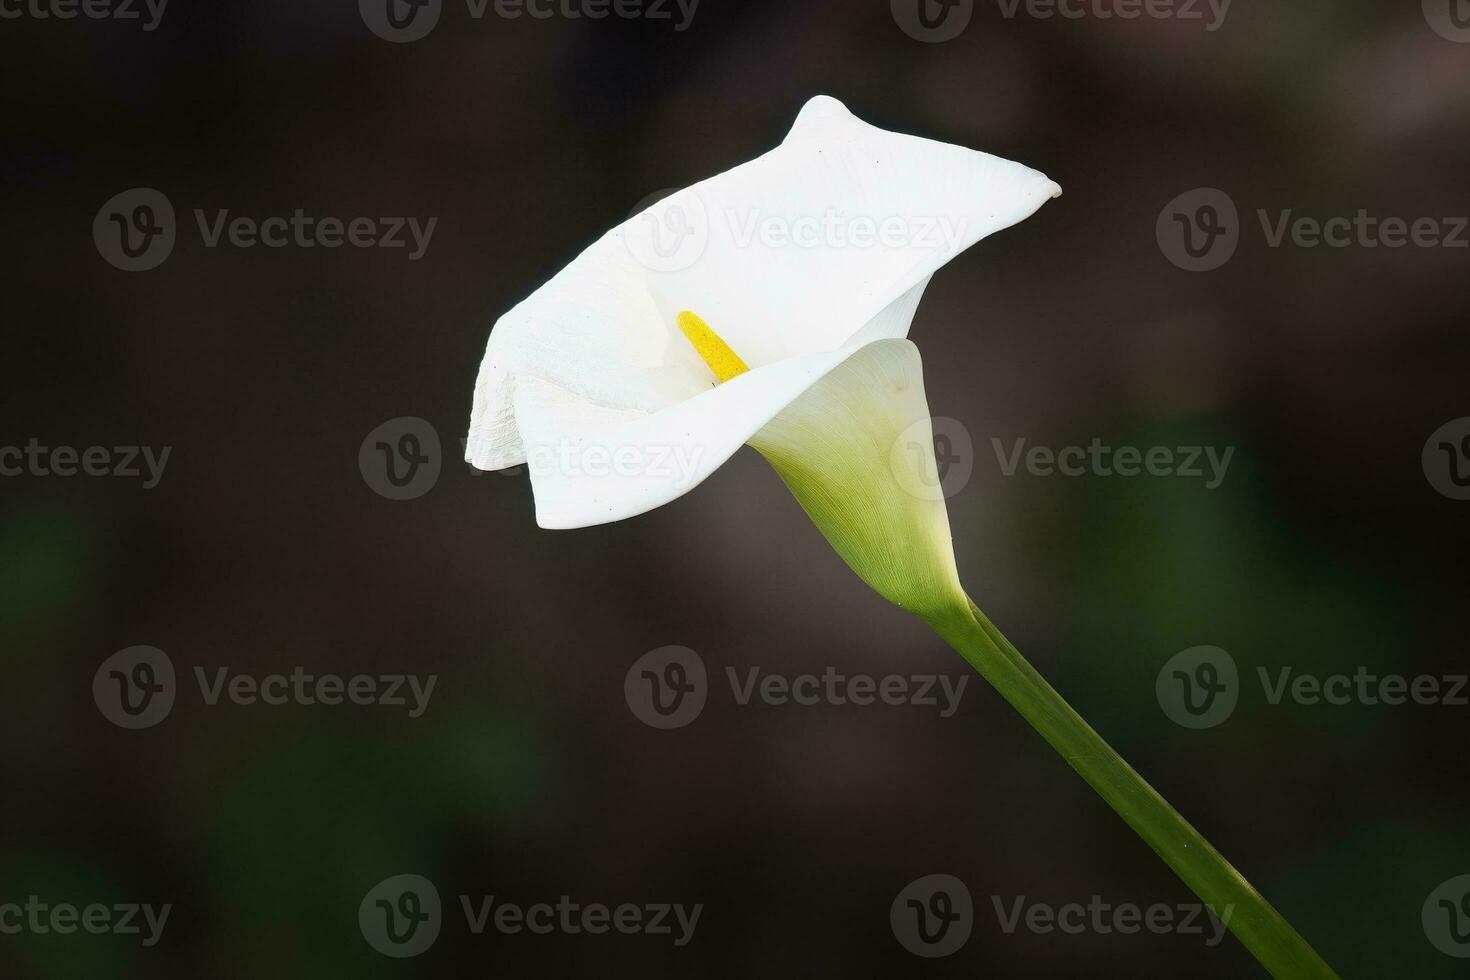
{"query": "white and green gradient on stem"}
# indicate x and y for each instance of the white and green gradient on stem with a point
(639, 353)
(834, 450)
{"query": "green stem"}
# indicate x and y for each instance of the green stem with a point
(1278, 947)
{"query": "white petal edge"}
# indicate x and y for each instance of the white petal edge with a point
(573, 444)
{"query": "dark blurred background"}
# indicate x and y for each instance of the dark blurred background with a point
(262, 548)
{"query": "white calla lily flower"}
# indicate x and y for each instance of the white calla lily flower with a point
(807, 258)
(779, 318)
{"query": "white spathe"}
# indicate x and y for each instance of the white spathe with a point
(799, 259)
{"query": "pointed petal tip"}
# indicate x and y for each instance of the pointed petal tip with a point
(819, 110)
(822, 104)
